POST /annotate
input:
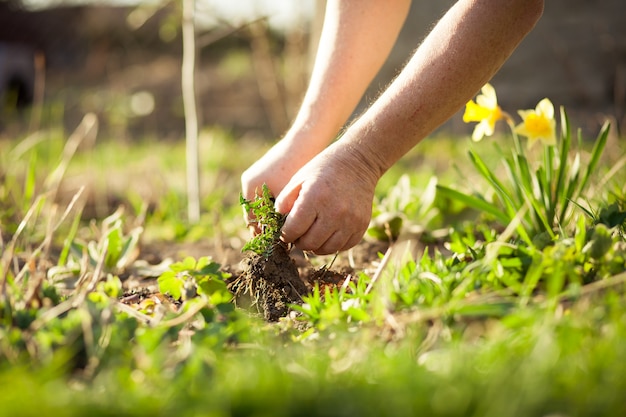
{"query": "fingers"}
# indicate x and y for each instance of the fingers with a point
(338, 241)
(316, 236)
(335, 243)
(304, 226)
(315, 225)
(299, 221)
(285, 201)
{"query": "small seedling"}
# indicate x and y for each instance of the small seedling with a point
(184, 280)
(262, 212)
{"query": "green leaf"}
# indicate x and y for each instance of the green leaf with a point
(488, 309)
(114, 245)
(474, 202)
(170, 283)
(112, 286)
(211, 268)
(566, 140)
(581, 234)
(596, 153)
(572, 184)
(612, 216)
(189, 263)
(524, 174)
(30, 182)
(67, 244)
(269, 220)
(500, 189)
(210, 285)
(600, 242)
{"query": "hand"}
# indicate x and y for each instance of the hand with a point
(274, 169)
(329, 201)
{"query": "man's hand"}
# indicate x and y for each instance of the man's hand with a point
(274, 169)
(329, 201)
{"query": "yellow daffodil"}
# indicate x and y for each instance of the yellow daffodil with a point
(485, 111)
(538, 124)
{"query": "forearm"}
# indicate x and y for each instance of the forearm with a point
(356, 39)
(459, 56)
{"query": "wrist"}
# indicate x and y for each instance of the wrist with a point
(306, 140)
(364, 144)
(359, 159)
(315, 126)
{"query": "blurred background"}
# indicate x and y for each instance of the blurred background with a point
(122, 61)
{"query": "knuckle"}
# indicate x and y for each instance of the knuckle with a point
(304, 245)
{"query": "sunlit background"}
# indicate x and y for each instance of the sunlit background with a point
(281, 14)
(121, 60)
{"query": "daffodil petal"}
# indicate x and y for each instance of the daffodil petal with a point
(488, 97)
(478, 132)
(474, 112)
(538, 124)
(546, 108)
(520, 129)
(485, 111)
(488, 127)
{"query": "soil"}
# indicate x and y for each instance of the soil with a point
(270, 284)
(267, 286)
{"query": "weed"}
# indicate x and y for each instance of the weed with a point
(268, 220)
(189, 278)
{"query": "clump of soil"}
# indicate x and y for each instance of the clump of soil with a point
(270, 283)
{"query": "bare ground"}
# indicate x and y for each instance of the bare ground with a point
(264, 286)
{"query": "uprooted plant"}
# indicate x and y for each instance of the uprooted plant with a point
(270, 280)
(269, 221)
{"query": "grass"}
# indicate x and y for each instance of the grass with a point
(483, 323)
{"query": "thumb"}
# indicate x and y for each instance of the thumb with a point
(287, 197)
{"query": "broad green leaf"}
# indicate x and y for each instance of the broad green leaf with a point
(188, 264)
(209, 286)
(170, 283)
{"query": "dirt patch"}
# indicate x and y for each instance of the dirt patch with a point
(270, 284)
(267, 286)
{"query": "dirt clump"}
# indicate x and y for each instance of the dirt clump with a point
(269, 283)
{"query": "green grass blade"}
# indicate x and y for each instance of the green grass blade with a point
(500, 189)
(30, 182)
(566, 141)
(531, 280)
(596, 153)
(548, 158)
(513, 171)
(574, 174)
(474, 202)
(69, 239)
(539, 211)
